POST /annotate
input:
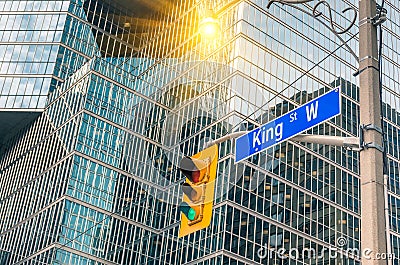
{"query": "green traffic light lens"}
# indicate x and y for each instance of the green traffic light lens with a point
(191, 214)
(188, 211)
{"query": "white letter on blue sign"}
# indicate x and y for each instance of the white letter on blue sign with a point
(279, 132)
(268, 135)
(312, 112)
(255, 138)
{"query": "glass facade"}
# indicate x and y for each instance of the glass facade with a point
(123, 95)
(30, 31)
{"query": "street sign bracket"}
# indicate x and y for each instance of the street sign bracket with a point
(372, 127)
(364, 145)
(374, 145)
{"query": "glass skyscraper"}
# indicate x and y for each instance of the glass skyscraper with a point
(99, 101)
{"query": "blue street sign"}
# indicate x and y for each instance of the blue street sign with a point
(292, 123)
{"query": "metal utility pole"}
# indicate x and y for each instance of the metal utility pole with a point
(373, 231)
(373, 198)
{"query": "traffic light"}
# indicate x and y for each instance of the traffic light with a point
(198, 190)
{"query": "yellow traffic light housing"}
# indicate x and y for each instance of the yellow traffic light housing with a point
(200, 171)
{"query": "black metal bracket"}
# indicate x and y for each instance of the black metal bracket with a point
(364, 145)
(380, 17)
(372, 127)
(365, 68)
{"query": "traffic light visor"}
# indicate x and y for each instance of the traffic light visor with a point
(193, 193)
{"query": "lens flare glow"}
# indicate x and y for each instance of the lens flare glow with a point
(209, 28)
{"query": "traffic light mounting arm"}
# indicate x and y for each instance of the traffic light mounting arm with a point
(225, 138)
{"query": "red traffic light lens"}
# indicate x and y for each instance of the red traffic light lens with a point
(191, 170)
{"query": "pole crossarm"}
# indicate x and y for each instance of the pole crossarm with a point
(348, 142)
(316, 14)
